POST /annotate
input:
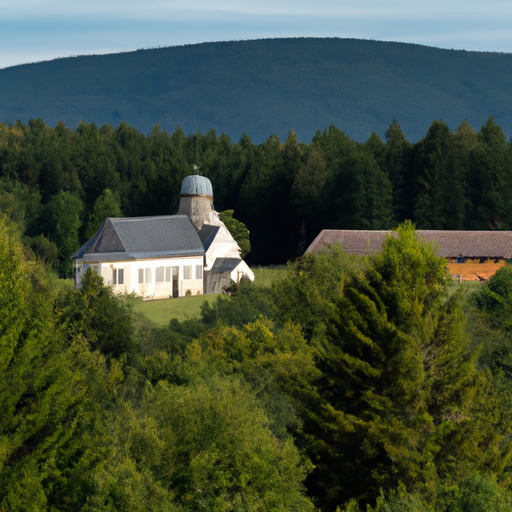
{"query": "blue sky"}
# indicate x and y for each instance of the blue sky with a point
(33, 30)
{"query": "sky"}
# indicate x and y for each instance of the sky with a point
(33, 30)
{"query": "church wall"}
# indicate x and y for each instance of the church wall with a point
(150, 278)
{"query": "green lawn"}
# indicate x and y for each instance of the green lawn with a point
(265, 276)
(161, 311)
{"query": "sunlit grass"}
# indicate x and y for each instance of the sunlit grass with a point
(265, 276)
(184, 308)
(162, 311)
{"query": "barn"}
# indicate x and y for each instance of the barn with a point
(470, 255)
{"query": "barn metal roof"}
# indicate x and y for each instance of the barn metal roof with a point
(143, 237)
(450, 244)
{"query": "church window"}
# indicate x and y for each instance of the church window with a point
(118, 276)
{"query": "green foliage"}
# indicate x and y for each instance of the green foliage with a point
(481, 494)
(104, 319)
(229, 460)
(62, 224)
(395, 501)
(246, 303)
(275, 361)
(45, 380)
(489, 178)
(19, 205)
(45, 251)
(311, 286)
(355, 380)
(409, 277)
(495, 298)
(306, 193)
(82, 431)
(107, 205)
(369, 363)
(238, 230)
(399, 399)
(440, 196)
(357, 191)
(397, 155)
(491, 309)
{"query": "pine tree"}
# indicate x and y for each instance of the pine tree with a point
(400, 399)
(490, 180)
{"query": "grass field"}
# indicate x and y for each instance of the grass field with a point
(162, 311)
(265, 276)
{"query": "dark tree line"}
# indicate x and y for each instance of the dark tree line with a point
(59, 184)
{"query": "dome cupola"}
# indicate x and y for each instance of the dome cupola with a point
(195, 185)
(196, 200)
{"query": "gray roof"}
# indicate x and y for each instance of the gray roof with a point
(195, 185)
(143, 237)
(450, 244)
(207, 234)
(222, 265)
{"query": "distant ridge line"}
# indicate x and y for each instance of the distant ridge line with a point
(266, 87)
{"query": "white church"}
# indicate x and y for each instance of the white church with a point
(190, 253)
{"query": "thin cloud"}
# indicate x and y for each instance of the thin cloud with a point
(157, 9)
(62, 28)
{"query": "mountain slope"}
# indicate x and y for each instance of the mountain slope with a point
(267, 87)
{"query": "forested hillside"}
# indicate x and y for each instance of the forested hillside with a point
(59, 184)
(267, 87)
(349, 383)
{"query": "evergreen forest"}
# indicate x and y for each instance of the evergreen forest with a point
(58, 185)
(349, 385)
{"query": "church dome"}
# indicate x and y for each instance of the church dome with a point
(195, 185)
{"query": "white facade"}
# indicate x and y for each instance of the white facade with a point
(152, 278)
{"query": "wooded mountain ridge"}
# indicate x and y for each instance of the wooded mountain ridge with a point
(267, 87)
